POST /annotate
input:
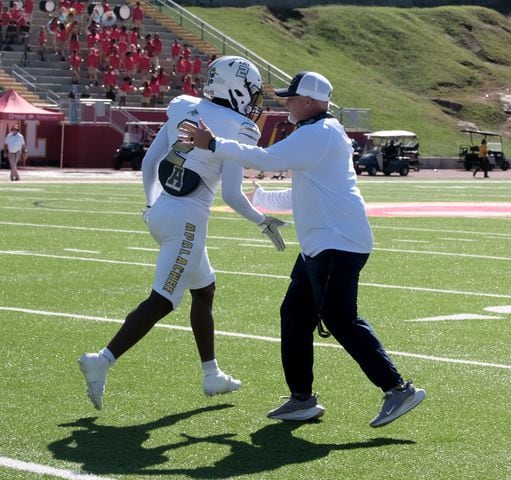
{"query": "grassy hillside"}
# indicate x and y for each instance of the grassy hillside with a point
(426, 70)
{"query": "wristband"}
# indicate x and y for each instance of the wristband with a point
(212, 144)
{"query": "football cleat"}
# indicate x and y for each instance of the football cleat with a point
(94, 367)
(219, 382)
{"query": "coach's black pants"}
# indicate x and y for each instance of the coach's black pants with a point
(328, 283)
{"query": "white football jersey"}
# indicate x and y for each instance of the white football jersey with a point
(223, 121)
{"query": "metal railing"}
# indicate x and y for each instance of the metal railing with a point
(226, 45)
(24, 77)
(96, 111)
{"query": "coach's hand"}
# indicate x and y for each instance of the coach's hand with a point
(194, 135)
(270, 227)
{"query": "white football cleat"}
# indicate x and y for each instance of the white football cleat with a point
(219, 382)
(94, 367)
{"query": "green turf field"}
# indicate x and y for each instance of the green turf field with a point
(75, 258)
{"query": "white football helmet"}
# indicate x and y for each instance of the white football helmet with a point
(238, 81)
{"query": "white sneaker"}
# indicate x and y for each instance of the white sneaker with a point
(219, 382)
(94, 367)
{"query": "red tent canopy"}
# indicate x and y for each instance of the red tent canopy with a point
(14, 107)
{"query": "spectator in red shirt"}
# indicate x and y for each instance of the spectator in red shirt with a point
(62, 41)
(146, 94)
(123, 34)
(93, 66)
(186, 52)
(109, 79)
(157, 47)
(42, 40)
(114, 60)
(138, 16)
(92, 38)
(115, 32)
(163, 81)
(53, 26)
(144, 65)
(175, 50)
(74, 43)
(129, 63)
(75, 62)
(122, 46)
(134, 36)
(148, 46)
(187, 84)
(5, 19)
(154, 86)
(79, 8)
(125, 88)
(28, 7)
(197, 69)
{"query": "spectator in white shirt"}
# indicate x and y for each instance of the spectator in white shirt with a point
(16, 149)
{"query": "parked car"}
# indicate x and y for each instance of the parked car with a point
(389, 151)
(469, 154)
(137, 139)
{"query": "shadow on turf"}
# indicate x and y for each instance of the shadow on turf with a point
(104, 449)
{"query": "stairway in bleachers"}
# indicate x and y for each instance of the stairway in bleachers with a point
(54, 74)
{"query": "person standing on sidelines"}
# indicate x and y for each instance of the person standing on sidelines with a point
(335, 238)
(180, 184)
(482, 155)
(16, 150)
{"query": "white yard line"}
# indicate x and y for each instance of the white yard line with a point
(440, 230)
(445, 254)
(137, 232)
(252, 274)
(252, 337)
(44, 470)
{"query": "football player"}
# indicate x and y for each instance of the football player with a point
(180, 184)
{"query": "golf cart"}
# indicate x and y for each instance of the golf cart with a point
(137, 138)
(469, 154)
(389, 151)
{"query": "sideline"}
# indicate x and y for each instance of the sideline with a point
(44, 470)
(262, 338)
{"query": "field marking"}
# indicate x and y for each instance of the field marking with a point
(253, 274)
(45, 470)
(383, 227)
(138, 232)
(458, 239)
(445, 254)
(435, 230)
(78, 250)
(254, 337)
(499, 309)
(456, 316)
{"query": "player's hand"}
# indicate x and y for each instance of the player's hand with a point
(250, 195)
(194, 135)
(145, 213)
(270, 227)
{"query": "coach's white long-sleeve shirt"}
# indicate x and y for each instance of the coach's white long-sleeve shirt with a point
(328, 209)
